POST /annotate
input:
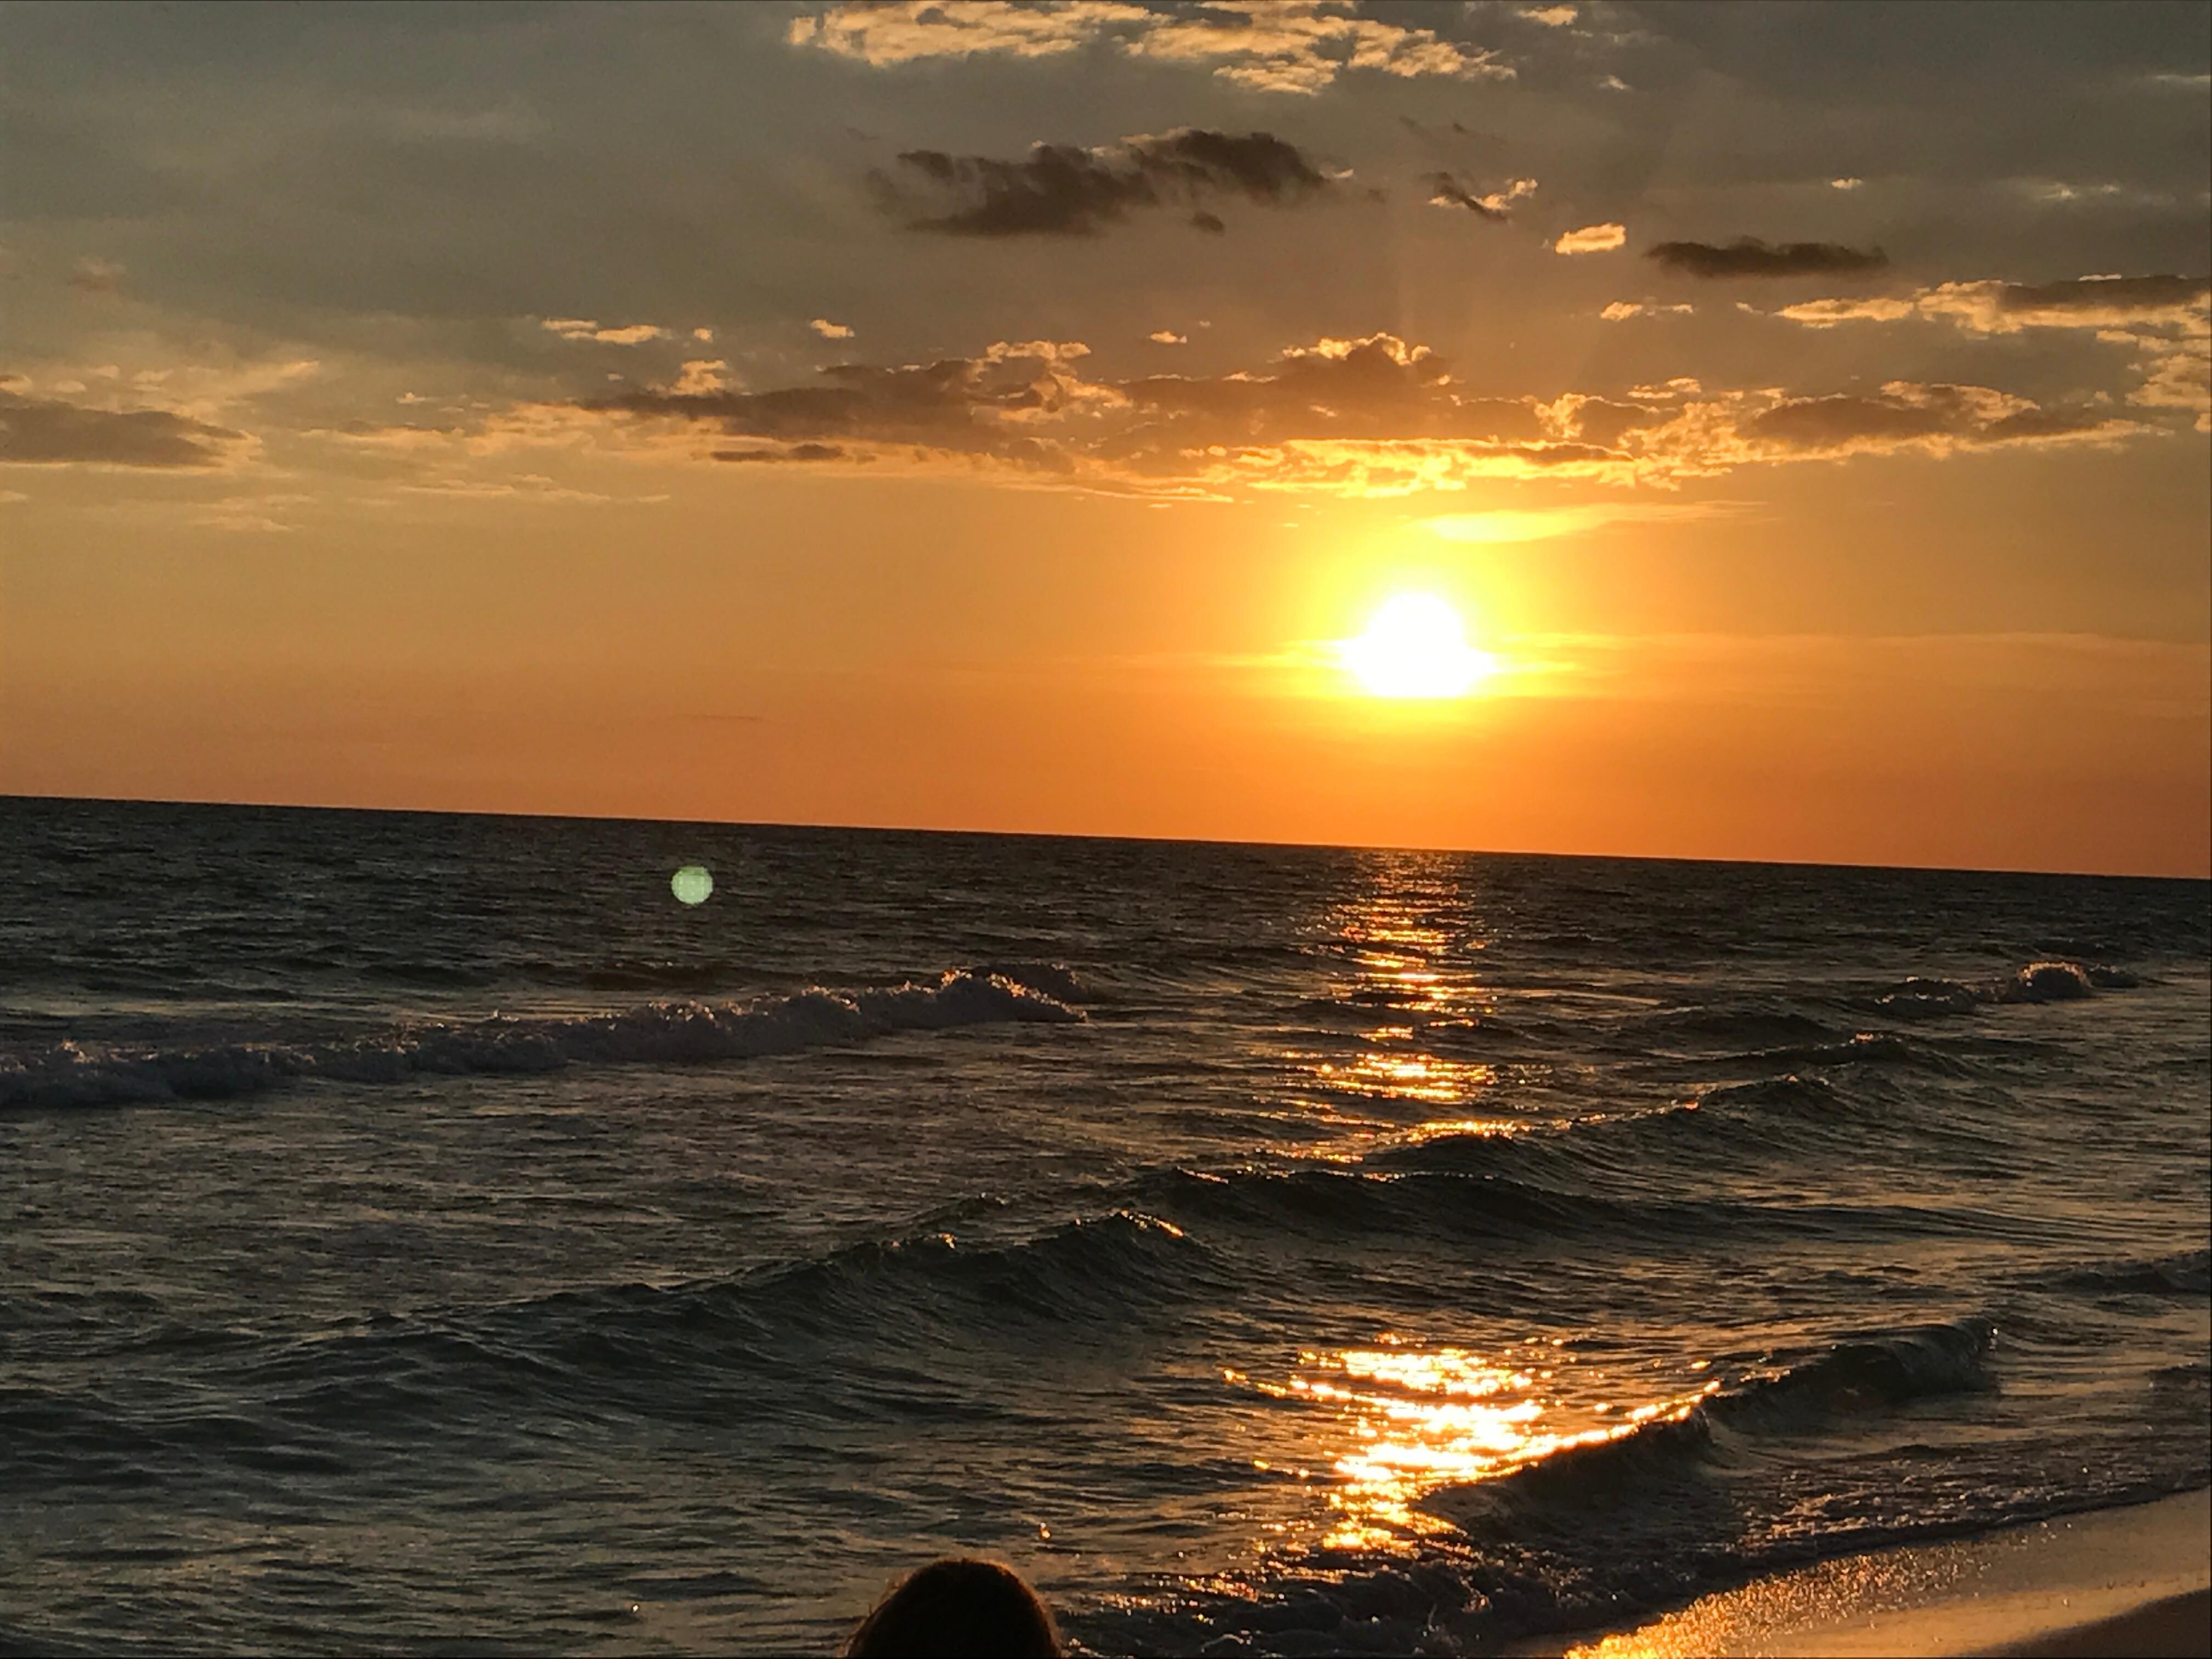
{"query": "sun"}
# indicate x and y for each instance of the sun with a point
(1415, 646)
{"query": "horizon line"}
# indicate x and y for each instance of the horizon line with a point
(8, 795)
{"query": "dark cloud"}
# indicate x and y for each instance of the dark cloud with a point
(953, 402)
(2104, 294)
(1060, 190)
(1376, 388)
(795, 453)
(1749, 256)
(44, 432)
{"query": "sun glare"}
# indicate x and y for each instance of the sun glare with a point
(1415, 646)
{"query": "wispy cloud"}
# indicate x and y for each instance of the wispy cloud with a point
(1446, 192)
(1827, 314)
(1549, 523)
(95, 275)
(2000, 307)
(829, 330)
(584, 328)
(1621, 310)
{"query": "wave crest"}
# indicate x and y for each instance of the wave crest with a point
(2037, 981)
(662, 1032)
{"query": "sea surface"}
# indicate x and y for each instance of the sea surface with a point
(424, 1234)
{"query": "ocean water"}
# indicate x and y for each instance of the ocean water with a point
(422, 1233)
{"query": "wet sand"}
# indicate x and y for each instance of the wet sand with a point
(2135, 1581)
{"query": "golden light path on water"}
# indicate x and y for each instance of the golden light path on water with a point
(1394, 1422)
(1399, 1422)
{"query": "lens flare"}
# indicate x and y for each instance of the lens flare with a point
(691, 885)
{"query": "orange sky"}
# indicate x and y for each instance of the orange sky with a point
(411, 497)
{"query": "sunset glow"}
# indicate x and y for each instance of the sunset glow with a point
(1415, 646)
(1015, 393)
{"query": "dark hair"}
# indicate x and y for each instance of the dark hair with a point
(954, 1606)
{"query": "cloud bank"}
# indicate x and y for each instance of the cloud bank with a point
(1369, 416)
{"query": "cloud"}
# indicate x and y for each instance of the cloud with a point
(1845, 184)
(1994, 307)
(701, 374)
(1592, 239)
(2165, 319)
(1555, 17)
(1749, 256)
(257, 516)
(46, 432)
(1826, 313)
(1444, 191)
(1375, 415)
(2178, 376)
(1904, 417)
(95, 275)
(1290, 46)
(829, 330)
(1371, 416)
(1059, 190)
(583, 328)
(1621, 310)
(1168, 336)
(795, 453)
(1545, 524)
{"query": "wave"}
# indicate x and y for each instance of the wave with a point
(662, 1032)
(1860, 1048)
(2038, 981)
(1577, 1539)
(1852, 1379)
(897, 1331)
(2181, 1273)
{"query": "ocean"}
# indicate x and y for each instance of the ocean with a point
(424, 1233)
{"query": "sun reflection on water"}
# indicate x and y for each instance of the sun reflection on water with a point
(1395, 1423)
(1404, 955)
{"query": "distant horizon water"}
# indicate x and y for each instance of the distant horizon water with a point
(437, 1231)
(1446, 849)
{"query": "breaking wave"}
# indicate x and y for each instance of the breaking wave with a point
(662, 1032)
(2038, 981)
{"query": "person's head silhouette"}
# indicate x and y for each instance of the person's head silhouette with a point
(957, 1607)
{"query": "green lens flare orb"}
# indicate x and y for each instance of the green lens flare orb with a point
(691, 885)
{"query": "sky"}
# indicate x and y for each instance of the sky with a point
(1002, 416)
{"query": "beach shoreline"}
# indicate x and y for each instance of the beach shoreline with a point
(2135, 1580)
